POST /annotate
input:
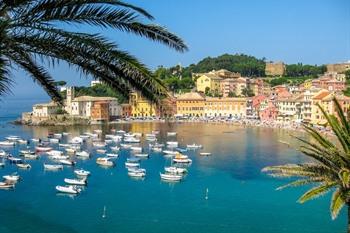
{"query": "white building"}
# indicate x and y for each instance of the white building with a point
(95, 82)
(44, 110)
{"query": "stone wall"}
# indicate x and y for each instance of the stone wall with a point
(275, 69)
(59, 119)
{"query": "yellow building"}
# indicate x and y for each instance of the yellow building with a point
(225, 107)
(140, 106)
(307, 84)
(208, 82)
(190, 104)
(316, 114)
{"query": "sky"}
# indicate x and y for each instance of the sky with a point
(307, 31)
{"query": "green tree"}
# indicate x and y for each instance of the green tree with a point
(330, 169)
(232, 94)
(247, 92)
(207, 91)
(35, 31)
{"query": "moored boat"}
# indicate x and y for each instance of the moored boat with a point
(205, 153)
(23, 165)
(71, 189)
(112, 155)
(141, 155)
(7, 143)
(106, 162)
(175, 170)
(194, 146)
(83, 154)
(12, 178)
(81, 172)
(170, 177)
(53, 167)
(80, 182)
(4, 185)
(43, 149)
(66, 162)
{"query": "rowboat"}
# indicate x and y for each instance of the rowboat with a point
(53, 167)
(80, 182)
(68, 189)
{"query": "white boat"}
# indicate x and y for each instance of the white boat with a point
(35, 140)
(12, 138)
(138, 134)
(98, 131)
(142, 155)
(170, 177)
(172, 144)
(104, 162)
(175, 170)
(54, 140)
(180, 158)
(59, 157)
(22, 141)
(136, 148)
(26, 152)
(77, 140)
(53, 167)
(136, 174)
(65, 133)
(64, 145)
(131, 164)
(31, 156)
(129, 135)
(114, 148)
(170, 152)
(80, 182)
(71, 189)
(7, 143)
(55, 153)
(14, 160)
(12, 178)
(156, 149)
(155, 131)
(194, 146)
(136, 169)
(83, 154)
(43, 149)
(169, 134)
(112, 155)
(70, 150)
(205, 153)
(121, 132)
(126, 146)
(131, 140)
(57, 135)
(82, 172)
(66, 162)
(108, 141)
(99, 144)
(4, 185)
(23, 165)
(101, 151)
(150, 135)
(3, 153)
(84, 137)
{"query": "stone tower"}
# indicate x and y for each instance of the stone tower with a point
(70, 95)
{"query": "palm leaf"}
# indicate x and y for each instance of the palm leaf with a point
(337, 203)
(316, 192)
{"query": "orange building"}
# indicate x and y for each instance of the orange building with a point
(100, 111)
(126, 110)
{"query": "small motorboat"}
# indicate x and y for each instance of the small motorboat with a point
(65, 133)
(172, 144)
(43, 149)
(136, 148)
(14, 160)
(157, 149)
(57, 135)
(170, 152)
(31, 156)
(81, 182)
(194, 146)
(126, 146)
(175, 170)
(35, 140)
(131, 164)
(25, 152)
(170, 177)
(77, 140)
(71, 189)
(22, 141)
(12, 138)
(54, 140)
(83, 154)
(3, 153)
(114, 148)
(142, 155)
(55, 153)
(180, 158)
(23, 165)
(59, 157)
(12, 178)
(121, 132)
(82, 172)
(99, 144)
(70, 150)
(64, 145)
(7, 143)
(106, 162)
(4, 185)
(136, 174)
(131, 140)
(205, 153)
(66, 162)
(112, 155)
(53, 167)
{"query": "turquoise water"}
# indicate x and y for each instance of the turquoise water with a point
(241, 199)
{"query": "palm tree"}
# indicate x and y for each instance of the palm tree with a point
(330, 170)
(35, 32)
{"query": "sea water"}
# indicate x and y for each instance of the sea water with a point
(240, 198)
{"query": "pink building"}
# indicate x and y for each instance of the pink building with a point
(228, 85)
(329, 83)
(269, 113)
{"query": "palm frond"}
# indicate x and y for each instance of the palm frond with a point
(5, 81)
(316, 192)
(337, 203)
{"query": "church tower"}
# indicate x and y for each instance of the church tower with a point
(70, 95)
